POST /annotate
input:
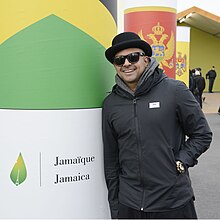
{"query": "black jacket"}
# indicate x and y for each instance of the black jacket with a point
(199, 82)
(211, 74)
(144, 134)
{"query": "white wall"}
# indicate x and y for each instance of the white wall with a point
(207, 5)
(211, 6)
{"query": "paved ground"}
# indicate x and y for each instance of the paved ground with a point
(211, 103)
(206, 175)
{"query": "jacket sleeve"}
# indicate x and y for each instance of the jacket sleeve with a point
(207, 75)
(194, 125)
(203, 84)
(111, 162)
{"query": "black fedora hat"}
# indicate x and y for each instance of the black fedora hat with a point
(127, 40)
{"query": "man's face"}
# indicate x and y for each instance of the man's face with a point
(130, 73)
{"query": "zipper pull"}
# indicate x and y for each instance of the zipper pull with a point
(135, 106)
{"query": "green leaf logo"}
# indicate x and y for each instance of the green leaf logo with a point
(19, 171)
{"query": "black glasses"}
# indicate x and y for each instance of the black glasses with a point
(131, 57)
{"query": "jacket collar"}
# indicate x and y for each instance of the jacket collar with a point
(146, 81)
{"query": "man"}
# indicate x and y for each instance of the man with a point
(211, 75)
(145, 122)
(198, 85)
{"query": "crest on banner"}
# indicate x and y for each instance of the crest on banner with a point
(180, 64)
(162, 51)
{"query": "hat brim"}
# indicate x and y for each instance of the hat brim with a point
(111, 51)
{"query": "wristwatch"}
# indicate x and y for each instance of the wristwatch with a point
(180, 167)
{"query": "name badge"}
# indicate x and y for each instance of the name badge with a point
(154, 105)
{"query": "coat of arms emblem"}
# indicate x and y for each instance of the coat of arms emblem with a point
(180, 64)
(161, 51)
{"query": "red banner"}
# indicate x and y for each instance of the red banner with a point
(158, 28)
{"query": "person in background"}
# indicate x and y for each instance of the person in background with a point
(190, 80)
(198, 85)
(145, 121)
(211, 75)
(200, 70)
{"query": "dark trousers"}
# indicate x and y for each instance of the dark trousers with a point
(185, 212)
(211, 82)
(198, 98)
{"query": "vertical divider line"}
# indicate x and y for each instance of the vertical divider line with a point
(40, 167)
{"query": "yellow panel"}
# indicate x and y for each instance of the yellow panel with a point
(182, 61)
(150, 8)
(88, 15)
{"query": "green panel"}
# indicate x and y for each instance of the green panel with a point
(205, 53)
(53, 65)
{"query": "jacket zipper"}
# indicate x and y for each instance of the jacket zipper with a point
(135, 104)
(139, 150)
